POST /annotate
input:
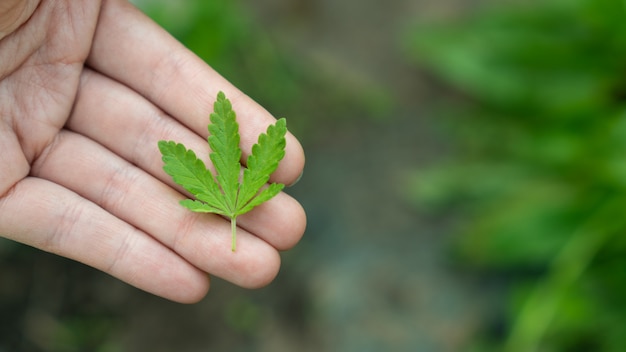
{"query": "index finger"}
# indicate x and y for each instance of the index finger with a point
(134, 50)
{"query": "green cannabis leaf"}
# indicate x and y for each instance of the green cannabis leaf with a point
(228, 193)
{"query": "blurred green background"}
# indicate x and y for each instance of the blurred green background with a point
(465, 186)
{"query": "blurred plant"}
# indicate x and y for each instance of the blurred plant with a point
(223, 34)
(538, 167)
(226, 35)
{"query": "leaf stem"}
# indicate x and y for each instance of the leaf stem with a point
(233, 227)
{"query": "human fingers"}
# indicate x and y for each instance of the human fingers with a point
(104, 107)
(44, 215)
(151, 206)
(132, 49)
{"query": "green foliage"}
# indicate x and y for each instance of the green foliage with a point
(538, 167)
(226, 194)
(226, 36)
(282, 77)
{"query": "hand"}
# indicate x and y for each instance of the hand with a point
(87, 88)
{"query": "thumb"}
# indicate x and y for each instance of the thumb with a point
(13, 13)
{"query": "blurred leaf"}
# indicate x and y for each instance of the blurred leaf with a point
(538, 162)
(542, 58)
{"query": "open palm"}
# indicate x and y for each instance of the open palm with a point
(87, 88)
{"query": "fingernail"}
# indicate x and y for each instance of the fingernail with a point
(297, 180)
